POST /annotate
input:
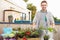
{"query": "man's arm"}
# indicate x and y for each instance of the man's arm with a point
(52, 23)
(35, 20)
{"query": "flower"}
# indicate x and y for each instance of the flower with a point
(24, 38)
(11, 35)
(28, 33)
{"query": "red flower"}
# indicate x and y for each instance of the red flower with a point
(24, 38)
(27, 33)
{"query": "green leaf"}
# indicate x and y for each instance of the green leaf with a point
(50, 29)
(25, 0)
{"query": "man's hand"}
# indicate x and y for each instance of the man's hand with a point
(53, 26)
(33, 25)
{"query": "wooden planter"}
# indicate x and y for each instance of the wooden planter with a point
(30, 38)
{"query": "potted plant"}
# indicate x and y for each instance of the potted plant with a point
(46, 37)
(27, 34)
(19, 29)
(21, 33)
(7, 38)
(24, 38)
(34, 34)
(10, 18)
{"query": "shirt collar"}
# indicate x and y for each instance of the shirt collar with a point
(43, 12)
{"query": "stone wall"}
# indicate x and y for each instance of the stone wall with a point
(14, 26)
(19, 25)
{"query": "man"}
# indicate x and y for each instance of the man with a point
(44, 18)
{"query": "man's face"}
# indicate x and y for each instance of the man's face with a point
(44, 6)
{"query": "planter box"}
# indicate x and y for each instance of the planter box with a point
(10, 39)
(30, 38)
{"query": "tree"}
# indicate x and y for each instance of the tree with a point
(32, 8)
(25, 0)
(55, 18)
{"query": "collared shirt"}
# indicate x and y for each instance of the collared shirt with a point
(43, 19)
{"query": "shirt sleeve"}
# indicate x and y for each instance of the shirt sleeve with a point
(51, 19)
(35, 18)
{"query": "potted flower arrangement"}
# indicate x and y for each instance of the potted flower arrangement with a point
(34, 33)
(27, 33)
(46, 37)
(24, 38)
(20, 33)
(9, 36)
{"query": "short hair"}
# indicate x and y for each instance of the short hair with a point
(44, 2)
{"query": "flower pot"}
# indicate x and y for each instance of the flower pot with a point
(7, 38)
(34, 36)
(45, 38)
(10, 18)
(12, 39)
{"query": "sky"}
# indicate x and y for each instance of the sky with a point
(53, 5)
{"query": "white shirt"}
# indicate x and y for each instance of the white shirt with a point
(39, 19)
